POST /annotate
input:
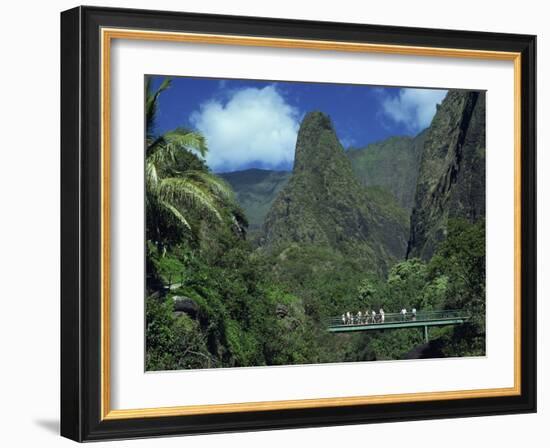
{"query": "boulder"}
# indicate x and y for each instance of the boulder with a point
(186, 305)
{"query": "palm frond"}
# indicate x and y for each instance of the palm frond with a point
(151, 102)
(162, 155)
(151, 175)
(176, 214)
(184, 138)
(213, 183)
(153, 143)
(188, 194)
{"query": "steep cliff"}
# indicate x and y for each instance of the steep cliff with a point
(451, 179)
(324, 204)
(391, 164)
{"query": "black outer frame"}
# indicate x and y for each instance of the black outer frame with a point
(81, 224)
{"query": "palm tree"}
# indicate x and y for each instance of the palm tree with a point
(173, 192)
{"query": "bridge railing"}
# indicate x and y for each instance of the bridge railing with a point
(389, 318)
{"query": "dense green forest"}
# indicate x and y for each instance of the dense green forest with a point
(327, 242)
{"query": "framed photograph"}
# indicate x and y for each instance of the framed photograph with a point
(276, 224)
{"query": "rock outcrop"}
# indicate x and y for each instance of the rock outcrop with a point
(451, 179)
(324, 204)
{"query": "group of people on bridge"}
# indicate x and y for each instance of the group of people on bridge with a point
(373, 317)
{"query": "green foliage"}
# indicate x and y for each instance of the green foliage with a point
(173, 342)
(408, 285)
(453, 279)
(388, 345)
(260, 308)
(178, 188)
(319, 275)
(461, 258)
(406, 281)
(243, 320)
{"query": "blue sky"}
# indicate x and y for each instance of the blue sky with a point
(253, 124)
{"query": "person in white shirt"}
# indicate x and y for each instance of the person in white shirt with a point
(404, 314)
(413, 312)
(382, 317)
(359, 317)
(373, 314)
(344, 319)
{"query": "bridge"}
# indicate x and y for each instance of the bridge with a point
(423, 319)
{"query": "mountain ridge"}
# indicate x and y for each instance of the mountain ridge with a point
(378, 165)
(255, 190)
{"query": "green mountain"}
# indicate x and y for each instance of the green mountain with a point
(324, 204)
(256, 190)
(451, 180)
(391, 164)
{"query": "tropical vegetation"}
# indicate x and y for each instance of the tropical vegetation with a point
(218, 298)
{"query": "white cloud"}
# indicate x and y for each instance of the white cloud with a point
(413, 108)
(253, 125)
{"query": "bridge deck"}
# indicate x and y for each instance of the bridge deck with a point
(395, 320)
